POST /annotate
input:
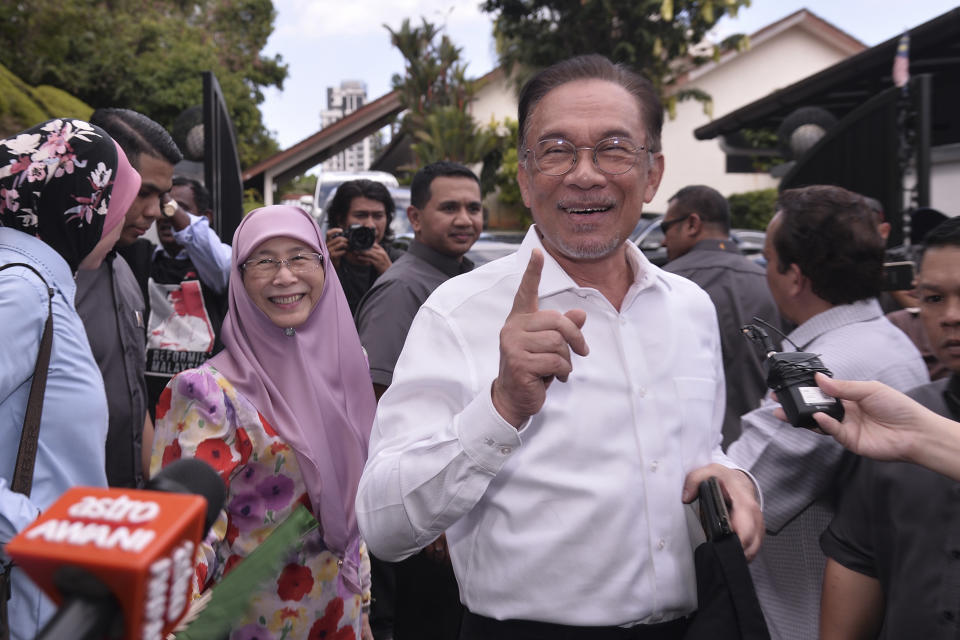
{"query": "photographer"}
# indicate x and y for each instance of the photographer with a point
(359, 237)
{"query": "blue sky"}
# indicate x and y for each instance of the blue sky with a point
(326, 41)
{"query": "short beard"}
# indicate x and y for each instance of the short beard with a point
(588, 249)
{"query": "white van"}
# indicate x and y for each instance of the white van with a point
(328, 182)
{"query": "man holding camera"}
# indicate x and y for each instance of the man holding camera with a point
(359, 237)
(824, 268)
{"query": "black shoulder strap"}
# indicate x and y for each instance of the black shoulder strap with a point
(27, 453)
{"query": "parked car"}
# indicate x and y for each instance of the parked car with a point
(650, 241)
(495, 244)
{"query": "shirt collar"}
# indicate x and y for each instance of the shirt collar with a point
(554, 279)
(834, 318)
(449, 266)
(716, 244)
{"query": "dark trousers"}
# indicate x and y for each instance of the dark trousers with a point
(476, 627)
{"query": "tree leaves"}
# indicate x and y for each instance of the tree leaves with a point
(653, 37)
(148, 56)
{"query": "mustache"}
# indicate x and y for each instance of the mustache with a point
(587, 203)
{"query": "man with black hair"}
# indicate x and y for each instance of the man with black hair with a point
(893, 549)
(184, 284)
(696, 233)
(824, 267)
(446, 214)
(110, 302)
(552, 410)
(366, 203)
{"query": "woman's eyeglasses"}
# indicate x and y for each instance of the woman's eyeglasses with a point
(300, 263)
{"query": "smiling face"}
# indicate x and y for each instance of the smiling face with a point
(452, 219)
(585, 214)
(938, 287)
(287, 298)
(156, 179)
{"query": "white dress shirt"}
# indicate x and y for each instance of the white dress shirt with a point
(577, 518)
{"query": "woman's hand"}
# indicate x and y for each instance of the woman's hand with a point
(366, 632)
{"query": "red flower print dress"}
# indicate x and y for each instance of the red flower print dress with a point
(201, 415)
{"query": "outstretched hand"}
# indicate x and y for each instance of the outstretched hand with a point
(535, 348)
(879, 423)
(740, 494)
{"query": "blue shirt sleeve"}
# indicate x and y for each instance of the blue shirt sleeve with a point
(23, 312)
(209, 255)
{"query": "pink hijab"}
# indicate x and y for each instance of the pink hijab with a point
(313, 387)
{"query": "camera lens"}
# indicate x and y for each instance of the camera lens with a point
(360, 238)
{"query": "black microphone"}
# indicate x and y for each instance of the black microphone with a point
(790, 376)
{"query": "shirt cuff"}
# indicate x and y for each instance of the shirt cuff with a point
(485, 436)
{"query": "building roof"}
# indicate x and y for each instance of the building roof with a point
(934, 48)
(326, 142)
(802, 18)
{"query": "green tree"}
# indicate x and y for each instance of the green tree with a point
(435, 92)
(22, 106)
(660, 38)
(752, 209)
(148, 56)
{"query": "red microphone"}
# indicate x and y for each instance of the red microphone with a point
(103, 552)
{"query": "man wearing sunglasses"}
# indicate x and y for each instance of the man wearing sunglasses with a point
(696, 233)
(551, 410)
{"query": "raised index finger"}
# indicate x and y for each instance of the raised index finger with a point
(527, 299)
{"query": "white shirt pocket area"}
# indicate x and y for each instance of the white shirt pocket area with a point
(701, 405)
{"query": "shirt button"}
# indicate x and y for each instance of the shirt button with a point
(661, 544)
(955, 554)
(642, 392)
(654, 465)
(948, 615)
(506, 450)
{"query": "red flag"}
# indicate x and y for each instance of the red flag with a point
(901, 62)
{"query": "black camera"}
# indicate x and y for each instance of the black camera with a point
(790, 376)
(359, 237)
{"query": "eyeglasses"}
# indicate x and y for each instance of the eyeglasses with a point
(666, 224)
(300, 263)
(613, 156)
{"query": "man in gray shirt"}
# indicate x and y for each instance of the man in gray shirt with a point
(418, 598)
(447, 216)
(696, 233)
(111, 305)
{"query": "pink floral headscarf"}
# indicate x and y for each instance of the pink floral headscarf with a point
(66, 182)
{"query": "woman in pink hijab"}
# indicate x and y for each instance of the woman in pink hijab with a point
(284, 415)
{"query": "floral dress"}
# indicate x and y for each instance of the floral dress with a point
(201, 415)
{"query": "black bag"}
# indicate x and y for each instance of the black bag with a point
(27, 453)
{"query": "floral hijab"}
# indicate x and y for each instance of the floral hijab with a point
(56, 183)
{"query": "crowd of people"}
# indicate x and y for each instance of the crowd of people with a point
(506, 452)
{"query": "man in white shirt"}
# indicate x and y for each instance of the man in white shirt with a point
(552, 410)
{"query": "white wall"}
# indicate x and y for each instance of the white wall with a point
(770, 65)
(945, 179)
(497, 99)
